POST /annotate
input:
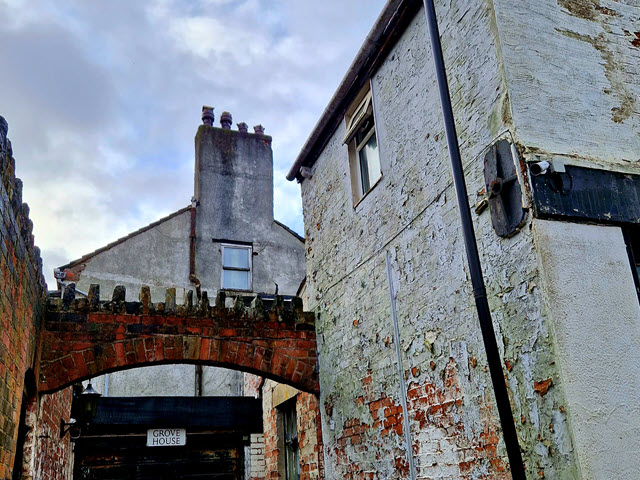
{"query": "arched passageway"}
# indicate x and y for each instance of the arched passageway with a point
(87, 337)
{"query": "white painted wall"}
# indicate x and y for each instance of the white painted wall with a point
(591, 299)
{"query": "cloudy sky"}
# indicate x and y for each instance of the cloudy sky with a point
(103, 99)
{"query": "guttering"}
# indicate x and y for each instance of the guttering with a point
(192, 248)
(381, 38)
(473, 258)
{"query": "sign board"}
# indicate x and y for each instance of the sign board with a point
(166, 437)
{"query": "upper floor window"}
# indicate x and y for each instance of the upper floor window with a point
(362, 142)
(236, 267)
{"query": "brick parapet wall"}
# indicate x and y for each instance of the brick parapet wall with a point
(85, 337)
(22, 299)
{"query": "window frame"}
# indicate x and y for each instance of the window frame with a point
(289, 417)
(360, 111)
(223, 268)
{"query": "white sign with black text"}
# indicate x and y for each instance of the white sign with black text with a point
(166, 437)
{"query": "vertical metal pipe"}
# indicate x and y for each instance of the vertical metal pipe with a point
(475, 269)
(403, 385)
(192, 248)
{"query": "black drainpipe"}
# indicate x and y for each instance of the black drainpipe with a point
(192, 248)
(475, 269)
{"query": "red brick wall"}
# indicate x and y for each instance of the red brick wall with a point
(22, 296)
(47, 457)
(309, 435)
(88, 338)
(270, 424)
(252, 384)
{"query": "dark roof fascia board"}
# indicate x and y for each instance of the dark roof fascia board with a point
(390, 24)
(109, 246)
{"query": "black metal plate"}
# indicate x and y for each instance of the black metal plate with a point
(589, 194)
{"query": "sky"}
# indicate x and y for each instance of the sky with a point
(103, 99)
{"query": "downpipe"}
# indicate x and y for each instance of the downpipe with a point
(475, 269)
(192, 249)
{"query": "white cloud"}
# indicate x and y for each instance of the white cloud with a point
(103, 100)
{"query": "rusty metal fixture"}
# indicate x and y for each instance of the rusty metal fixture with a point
(243, 127)
(225, 120)
(192, 248)
(207, 115)
(259, 129)
(503, 189)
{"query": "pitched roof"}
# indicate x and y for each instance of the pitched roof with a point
(289, 230)
(125, 238)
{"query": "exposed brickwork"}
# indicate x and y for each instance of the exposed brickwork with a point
(53, 457)
(310, 452)
(22, 295)
(309, 437)
(273, 435)
(252, 384)
(84, 338)
(257, 466)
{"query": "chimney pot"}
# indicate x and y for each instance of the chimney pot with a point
(207, 115)
(225, 120)
(259, 129)
(243, 127)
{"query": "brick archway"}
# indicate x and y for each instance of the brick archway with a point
(85, 337)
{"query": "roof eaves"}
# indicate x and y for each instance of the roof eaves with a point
(390, 24)
(108, 246)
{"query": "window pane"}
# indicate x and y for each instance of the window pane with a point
(369, 163)
(235, 257)
(235, 279)
(373, 159)
(364, 131)
(364, 171)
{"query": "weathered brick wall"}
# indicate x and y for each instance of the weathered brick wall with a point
(309, 434)
(257, 466)
(53, 456)
(87, 337)
(309, 437)
(22, 296)
(252, 384)
(412, 215)
(272, 441)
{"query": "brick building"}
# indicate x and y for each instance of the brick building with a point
(545, 98)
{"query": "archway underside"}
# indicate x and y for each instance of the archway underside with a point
(85, 337)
